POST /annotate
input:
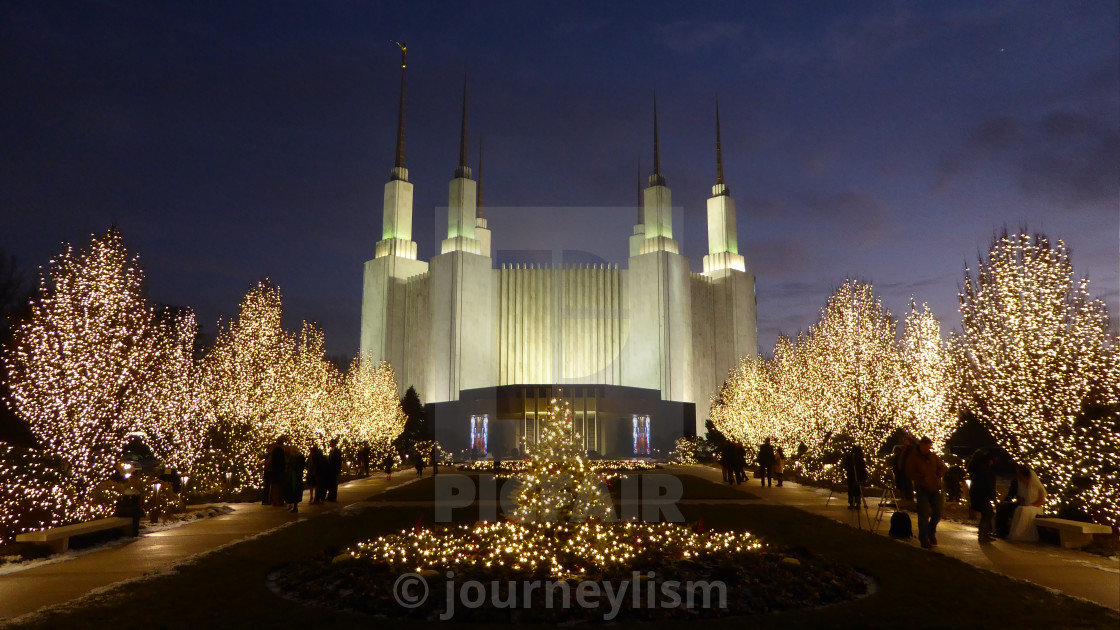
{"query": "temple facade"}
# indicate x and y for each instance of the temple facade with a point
(487, 346)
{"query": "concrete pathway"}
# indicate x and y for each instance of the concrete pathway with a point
(1075, 573)
(29, 590)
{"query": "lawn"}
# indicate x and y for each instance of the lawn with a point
(916, 589)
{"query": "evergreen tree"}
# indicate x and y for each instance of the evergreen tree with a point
(560, 483)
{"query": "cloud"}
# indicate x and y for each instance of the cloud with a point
(1063, 156)
(689, 36)
(855, 216)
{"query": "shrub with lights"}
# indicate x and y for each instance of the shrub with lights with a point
(36, 493)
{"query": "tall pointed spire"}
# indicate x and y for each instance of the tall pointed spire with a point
(719, 155)
(656, 179)
(399, 163)
(639, 189)
(479, 214)
(463, 170)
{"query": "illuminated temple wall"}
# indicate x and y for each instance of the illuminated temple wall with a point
(459, 324)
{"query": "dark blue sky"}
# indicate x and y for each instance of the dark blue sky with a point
(231, 141)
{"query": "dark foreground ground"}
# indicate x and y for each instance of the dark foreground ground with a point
(916, 589)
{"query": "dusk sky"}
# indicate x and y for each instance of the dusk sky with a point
(889, 141)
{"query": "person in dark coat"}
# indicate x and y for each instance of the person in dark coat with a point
(318, 475)
(295, 464)
(898, 464)
(726, 457)
(766, 463)
(276, 465)
(418, 463)
(855, 472)
(435, 460)
(334, 469)
(387, 464)
(982, 490)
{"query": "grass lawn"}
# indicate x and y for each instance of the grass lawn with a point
(917, 589)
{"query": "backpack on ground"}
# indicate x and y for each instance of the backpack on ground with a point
(901, 526)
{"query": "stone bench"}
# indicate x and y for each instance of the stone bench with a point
(1073, 534)
(58, 538)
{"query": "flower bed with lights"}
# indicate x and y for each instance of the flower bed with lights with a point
(563, 536)
(517, 465)
(643, 557)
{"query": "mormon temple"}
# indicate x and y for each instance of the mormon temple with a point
(638, 351)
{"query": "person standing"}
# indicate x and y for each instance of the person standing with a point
(855, 473)
(982, 490)
(898, 465)
(319, 470)
(926, 469)
(387, 464)
(779, 465)
(334, 469)
(435, 460)
(295, 463)
(418, 462)
(766, 462)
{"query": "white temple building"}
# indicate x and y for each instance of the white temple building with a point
(639, 348)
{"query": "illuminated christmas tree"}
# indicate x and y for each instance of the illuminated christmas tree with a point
(1040, 370)
(560, 484)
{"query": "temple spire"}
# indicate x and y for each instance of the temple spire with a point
(399, 163)
(479, 214)
(656, 179)
(719, 148)
(463, 170)
(719, 157)
(639, 189)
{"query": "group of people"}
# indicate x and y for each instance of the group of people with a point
(919, 478)
(287, 472)
(771, 463)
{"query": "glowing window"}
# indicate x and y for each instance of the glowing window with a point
(480, 427)
(641, 434)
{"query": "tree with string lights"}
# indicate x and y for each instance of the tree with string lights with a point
(925, 387)
(560, 484)
(376, 418)
(91, 364)
(246, 387)
(853, 363)
(1039, 368)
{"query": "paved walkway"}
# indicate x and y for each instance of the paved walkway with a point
(46, 585)
(1075, 573)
